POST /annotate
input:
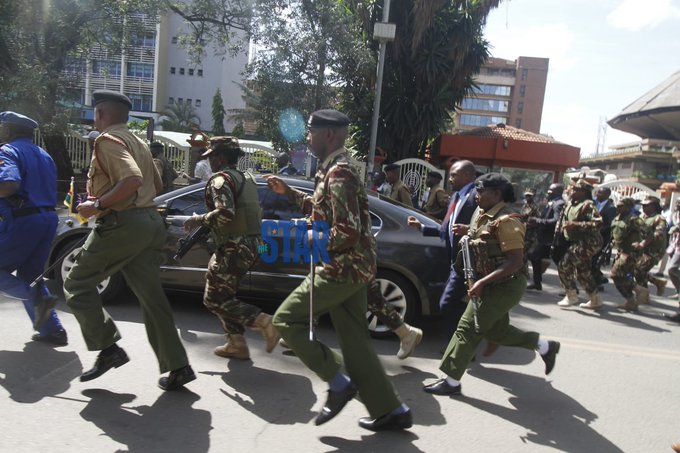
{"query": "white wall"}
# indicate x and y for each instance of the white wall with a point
(218, 72)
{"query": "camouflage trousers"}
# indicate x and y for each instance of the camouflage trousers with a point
(622, 273)
(227, 267)
(575, 265)
(381, 307)
(645, 264)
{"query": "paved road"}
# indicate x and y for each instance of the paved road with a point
(615, 388)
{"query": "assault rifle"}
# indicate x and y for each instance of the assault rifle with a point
(469, 272)
(185, 244)
(605, 254)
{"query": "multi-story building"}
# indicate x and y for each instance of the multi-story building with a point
(154, 71)
(508, 92)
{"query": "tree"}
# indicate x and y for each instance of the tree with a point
(180, 117)
(218, 114)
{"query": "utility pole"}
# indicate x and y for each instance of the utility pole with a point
(383, 32)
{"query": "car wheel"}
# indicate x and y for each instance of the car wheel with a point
(398, 292)
(109, 289)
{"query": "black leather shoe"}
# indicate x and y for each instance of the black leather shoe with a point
(441, 387)
(535, 286)
(59, 338)
(550, 356)
(675, 317)
(389, 422)
(334, 403)
(177, 378)
(43, 310)
(104, 363)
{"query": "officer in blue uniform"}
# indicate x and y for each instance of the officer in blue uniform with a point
(28, 222)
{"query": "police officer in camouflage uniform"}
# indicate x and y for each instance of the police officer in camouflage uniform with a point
(234, 217)
(626, 230)
(497, 252)
(339, 200)
(529, 209)
(652, 248)
(579, 224)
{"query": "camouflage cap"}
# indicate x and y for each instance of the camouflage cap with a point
(651, 200)
(583, 185)
(223, 144)
(627, 201)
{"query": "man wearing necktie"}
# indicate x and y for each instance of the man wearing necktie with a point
(463, 203)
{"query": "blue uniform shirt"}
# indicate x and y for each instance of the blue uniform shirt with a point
(29, 165)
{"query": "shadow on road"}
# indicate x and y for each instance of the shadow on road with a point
(385, 441)
(278, 398)
(169, 424)
(631, 320)
(37, 372)
(552, 418)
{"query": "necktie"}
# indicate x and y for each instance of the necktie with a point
(448, 219)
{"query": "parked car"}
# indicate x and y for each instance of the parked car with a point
(412, 269)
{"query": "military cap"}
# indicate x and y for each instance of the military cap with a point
(222, 144)
(651, 199)
(100, 96)
(492, 181)
(434, 174)
(328, 118)
(529, 192)
(627, 201)
(91, 135)
(17, 119)
(391, 167)
(583, 185)
(156, 145)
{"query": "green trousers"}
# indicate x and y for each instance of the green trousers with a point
(494, 322)
(346, 305)
(130, 242)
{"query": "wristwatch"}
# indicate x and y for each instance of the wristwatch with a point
(98, 205)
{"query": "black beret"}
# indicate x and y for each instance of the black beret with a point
(391, 167)
(223, 144)
(651, 200)
(328, 118)
(156, 145)
(17, 119)
(492, 181)
(108, 95)
(434, 174)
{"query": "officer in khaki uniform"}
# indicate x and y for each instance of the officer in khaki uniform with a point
(437, 198)
(128, 237)
(234, 218)
(339, 200)
(626, 230)
(399, 191)
(497, 252)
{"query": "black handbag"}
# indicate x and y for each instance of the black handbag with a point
(559, 247)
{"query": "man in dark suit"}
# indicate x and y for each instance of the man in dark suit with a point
(608, 211)
(545, 231)
(461, 206)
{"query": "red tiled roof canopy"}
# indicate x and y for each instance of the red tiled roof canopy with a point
(505, 131)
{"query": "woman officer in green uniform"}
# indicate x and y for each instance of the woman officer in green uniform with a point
(496, 248)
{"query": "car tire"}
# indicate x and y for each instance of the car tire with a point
(399, 292)
(109, 289)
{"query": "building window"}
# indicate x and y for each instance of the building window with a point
(522, 90)
(141, 70)
(520, 107)
(189, 101)
(191, 71)
(508, 72)
(491, 105)
(171, 100)
(174, 39)
(144, 39)
(626, 165)
(200, 72)
(181, 71)
(106, 68)
(198, 102)
(493, 71)
(141, 102)
(494, 90)
(518, 123)
(180, 100)
(481, 120)
(525, 72)
(172, 69)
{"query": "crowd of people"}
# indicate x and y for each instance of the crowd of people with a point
(478, 221)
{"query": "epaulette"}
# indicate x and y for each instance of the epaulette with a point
(111, 138)
(218, 181)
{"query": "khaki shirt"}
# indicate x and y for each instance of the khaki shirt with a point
(510, 231)
(119, 154)
(401, 193)
(437, 202)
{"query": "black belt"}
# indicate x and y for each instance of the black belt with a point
(30, 211)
